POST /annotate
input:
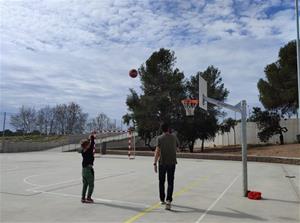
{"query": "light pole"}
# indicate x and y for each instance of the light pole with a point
(298, 64)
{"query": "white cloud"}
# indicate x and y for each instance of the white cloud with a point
(57, 51)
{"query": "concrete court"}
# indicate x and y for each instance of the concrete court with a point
(45, 187)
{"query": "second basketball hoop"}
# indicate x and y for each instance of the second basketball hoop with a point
(189, 106)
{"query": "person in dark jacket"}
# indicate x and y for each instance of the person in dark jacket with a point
(88, 176)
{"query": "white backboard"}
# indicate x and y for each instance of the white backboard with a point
(202, 92)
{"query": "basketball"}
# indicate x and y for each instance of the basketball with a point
(133, 73)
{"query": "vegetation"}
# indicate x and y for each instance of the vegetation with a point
(63, 119)
(268, 123)
(226, 127)
(204, 125)
(163, 87)
(279, 91)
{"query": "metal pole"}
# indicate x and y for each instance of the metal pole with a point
(134, 144)
(244, 146)
(234, 129)
(4, 119)
(298, 62)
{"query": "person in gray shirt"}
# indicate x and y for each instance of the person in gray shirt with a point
(165, 153)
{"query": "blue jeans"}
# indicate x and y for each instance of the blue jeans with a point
(170, 171)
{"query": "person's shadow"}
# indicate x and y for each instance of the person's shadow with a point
(232, 214)
(186, 209)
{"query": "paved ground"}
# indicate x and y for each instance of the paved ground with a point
(45, 187)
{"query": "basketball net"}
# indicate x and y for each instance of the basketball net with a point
(189, 106)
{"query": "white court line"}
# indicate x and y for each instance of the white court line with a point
(25, 180)
(36, 188)
(55, 184)
(15, 168)
(97, 199)
(217, 200)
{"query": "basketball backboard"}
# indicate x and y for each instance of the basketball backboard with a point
(202, 92)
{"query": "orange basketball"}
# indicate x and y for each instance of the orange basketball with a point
(133, 73)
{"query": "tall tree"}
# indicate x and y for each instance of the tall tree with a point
(102, 121)
(75, 118)
(204, 125)
(44, 120)
(162, 90)
(268, 122)
(25, 119)
(60, 114)
(279, 91)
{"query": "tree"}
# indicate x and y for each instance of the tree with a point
(204, 125)
(91, 125)
(75, 119)
(279, 91)
(24, 120)
(268, 123)
(101, 120)
(226, 127)
(69, 119)
(60, 117)
(45, 120)
(162, 90)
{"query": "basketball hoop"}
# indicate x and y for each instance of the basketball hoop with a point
(189, 106)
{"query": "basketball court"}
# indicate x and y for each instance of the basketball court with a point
(46, 187)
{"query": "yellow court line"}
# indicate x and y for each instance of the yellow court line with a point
(156, 205)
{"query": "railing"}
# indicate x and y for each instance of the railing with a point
(72, 147)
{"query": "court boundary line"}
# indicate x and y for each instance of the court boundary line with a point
(183, 190)
(37, 189)
(37, 186)
(217, 200)
(95, 198)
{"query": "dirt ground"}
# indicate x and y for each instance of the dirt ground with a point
(289, 150)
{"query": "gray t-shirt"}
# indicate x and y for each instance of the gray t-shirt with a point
(168, 144)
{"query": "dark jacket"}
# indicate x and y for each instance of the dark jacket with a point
(88, 155)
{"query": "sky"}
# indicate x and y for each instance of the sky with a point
(58, 51)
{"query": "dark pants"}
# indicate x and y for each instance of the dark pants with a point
(88, 179)
(170, 171)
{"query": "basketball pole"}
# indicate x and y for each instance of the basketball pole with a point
(298, 62)
(244, 146)
(134, 144)
(242, 109)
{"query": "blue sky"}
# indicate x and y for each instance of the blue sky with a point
(57, 51)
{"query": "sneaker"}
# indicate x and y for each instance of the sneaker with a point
(89, 200)
(168, 205)
(83, 200)
(162, 203)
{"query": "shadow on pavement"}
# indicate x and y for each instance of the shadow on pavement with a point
(233, 214)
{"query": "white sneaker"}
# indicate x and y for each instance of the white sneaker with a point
(162, 203)
(168, 205)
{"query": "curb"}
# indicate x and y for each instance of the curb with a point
(265, 159)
